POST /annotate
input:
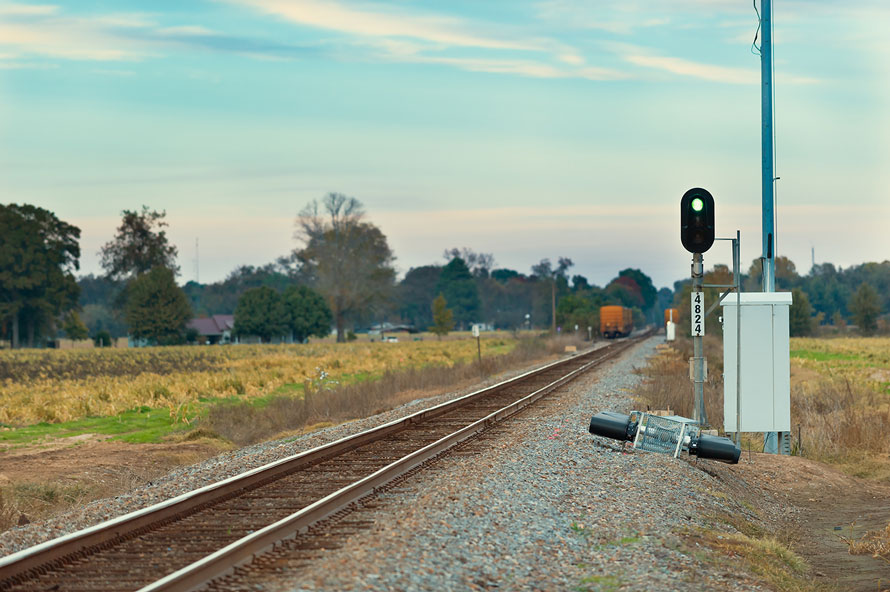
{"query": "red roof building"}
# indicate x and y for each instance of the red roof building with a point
(215, 329)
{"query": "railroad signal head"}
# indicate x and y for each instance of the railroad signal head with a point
(697, 220)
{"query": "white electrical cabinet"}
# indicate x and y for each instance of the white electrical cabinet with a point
(765, 366)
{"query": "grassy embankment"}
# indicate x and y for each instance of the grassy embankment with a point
(840, 400)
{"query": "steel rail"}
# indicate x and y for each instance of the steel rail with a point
(245, 549)
(29, 562)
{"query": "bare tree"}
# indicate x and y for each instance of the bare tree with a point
(344, 257)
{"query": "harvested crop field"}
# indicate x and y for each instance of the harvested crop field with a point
(57, 386)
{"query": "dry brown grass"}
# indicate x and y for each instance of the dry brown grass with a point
(841, 421)
(769, 558)
(23, 502)
(666, 383)
(56, 386)
(244, 423)
(875, 543)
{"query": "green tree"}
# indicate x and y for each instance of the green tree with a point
(505, 275)
(866, 308)
(102, 339)
(578, 309)
(719, 274)
(222, 297)
(458, 287)
(827, 291)
(157, 309)
(479, 264)
(307, 313)
(506, 297)
(345, 258)
(415, 292)
(443, 318)
(645, 285)
(625, 291)
(139, 246)
(579, 282)
(74, 327)
(785, 272)
(261, 312)
(800, 317)
(100, 317)
(38, 255)
(98, 296)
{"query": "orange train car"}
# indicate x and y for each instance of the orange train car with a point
(671, 314)
(615, 321)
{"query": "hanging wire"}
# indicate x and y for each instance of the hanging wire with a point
(754, 45)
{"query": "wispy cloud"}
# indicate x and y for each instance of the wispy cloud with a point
(692, 69)
(385, 22)
(26, 9)
(199, 37)
(29, 33)
(622, 18)
(63, 38)
(397, 35)
(646, 57)
(41, 31)
(527, 68)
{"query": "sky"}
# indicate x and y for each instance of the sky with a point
(522, 128)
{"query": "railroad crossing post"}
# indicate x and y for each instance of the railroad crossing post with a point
(698, 365)
(477, 335)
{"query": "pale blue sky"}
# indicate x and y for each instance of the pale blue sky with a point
(528, 129)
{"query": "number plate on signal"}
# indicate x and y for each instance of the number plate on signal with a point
(698, 314)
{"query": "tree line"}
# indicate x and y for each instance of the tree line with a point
(341, 276)
(828, 297)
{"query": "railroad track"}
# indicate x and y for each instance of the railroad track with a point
(196, 537)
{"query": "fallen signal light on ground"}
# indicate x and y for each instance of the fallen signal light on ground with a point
(669, 435)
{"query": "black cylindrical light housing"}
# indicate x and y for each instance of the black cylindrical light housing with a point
(715, 448)
(610, 424)
(697, 220)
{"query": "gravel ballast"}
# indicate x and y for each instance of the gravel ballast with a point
(539, 504)
(535, 504)
(215, 469)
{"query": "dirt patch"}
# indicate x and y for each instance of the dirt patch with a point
(822, 505)
(803, 374)
(41, 480)
(93, 458)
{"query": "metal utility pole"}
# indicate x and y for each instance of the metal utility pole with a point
(767, 141)
(553, 302)
(698, 360)
(737, 280)
(773, 441)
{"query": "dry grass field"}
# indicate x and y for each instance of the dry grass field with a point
(840, 397)
(59, 386)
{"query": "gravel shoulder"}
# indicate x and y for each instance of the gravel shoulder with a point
(537, 504)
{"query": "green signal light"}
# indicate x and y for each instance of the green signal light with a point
(697, 204)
